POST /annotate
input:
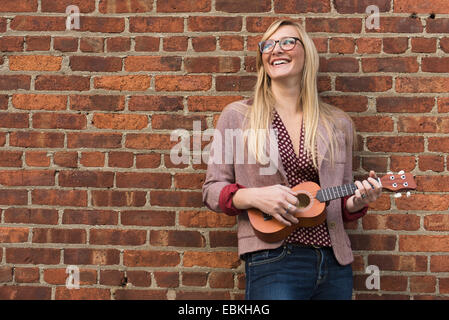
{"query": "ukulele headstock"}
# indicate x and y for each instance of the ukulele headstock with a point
(398, 182)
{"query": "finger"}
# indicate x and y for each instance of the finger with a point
(285, 188)
(281, 219)
(361, 192)
(369, 191)
(374, 182)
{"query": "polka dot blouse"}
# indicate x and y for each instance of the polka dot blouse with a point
(299, 169)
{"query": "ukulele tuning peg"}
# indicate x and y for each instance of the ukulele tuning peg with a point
(401, 172)
(408, 194)
(397, 195)
(389, 172)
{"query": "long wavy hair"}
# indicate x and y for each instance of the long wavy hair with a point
(259, 114)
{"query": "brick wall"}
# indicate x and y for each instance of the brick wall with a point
(85, 122)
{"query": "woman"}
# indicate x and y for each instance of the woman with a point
(315, 142)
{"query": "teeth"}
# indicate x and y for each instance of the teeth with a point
(277, 62)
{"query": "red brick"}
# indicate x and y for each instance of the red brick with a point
(59, 121)
(292, 6)
(149, 141)
(363, 84)
(423, 243)
(112, 198)
(26, 275)
(152, 63)
(412, 263)
(438, 144)
(102, 24)
(231, 43)
(14, 82)
(435, 64)
(148, 218)
(31, 216)
(92, 159)
(33, 139)
(117, 237)
(120, 159)
(433, 6)
(61, 82)
(97, 102)
(139, 278)
(405, 65)
(66, 159)
(35, 63)
(217, 23)
(65, 44)
(439, 263)
(52, 197)
(85, 6)
(183, 83)
(223, 239)
(221, 280)
(129, 294)
(422, 284)
(436, 222)
(407, 222)
(112, 277)
(345, 6)
(350, 103)
(37, 159)
(395, 45)
(19, 6)
(14, 120)
(369, 45)
(212, 64)
(99, 179)
(235, 6)
(158, 180)
(404, 104)
(13, 234)
(205, 219)
(39, 102)
(152, 160)
(123, 83)
(339, 65)
(156, 24)
(216, 259)
(184, 6)
(373, 242)
(155, 103)
(120, 121)
(25, 293)
(90, 44)
(342, 45)
(437, 25)
(27, 178)
(334, 25)
(431, 162)
(176, 238)
(44, 235)
(94, 140)
(95, 64)
(397, 25)
(144, 43)
(210, 103)
(33, 255)
(79, 256)
(90, 217)
(167, 279)
(62, 293)
(197, 279)
(177, 43)
(118, 44)
(125, 6)
(422, 84)
(11, 44)
(424, 45)
(235, 83)
(150, 258)
(38, 23)
(204, 44)
(396, 144)
(175, 198)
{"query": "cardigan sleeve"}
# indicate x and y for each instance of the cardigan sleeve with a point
(225, 201)
(351, 216)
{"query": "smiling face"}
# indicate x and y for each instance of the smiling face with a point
(280, 64)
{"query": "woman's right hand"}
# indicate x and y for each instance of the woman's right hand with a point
(274, 200)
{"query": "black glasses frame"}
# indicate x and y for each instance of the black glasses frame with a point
(276, 41)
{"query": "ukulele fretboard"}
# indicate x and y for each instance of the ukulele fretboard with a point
(332, 193)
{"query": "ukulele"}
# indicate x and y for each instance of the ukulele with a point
(312, 204)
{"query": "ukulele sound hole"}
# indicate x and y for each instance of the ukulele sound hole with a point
(304, 200)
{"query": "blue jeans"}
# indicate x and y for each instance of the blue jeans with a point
(297, 273)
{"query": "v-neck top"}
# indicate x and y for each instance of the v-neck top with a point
(299, 168)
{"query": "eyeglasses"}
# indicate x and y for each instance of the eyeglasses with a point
(286, 44)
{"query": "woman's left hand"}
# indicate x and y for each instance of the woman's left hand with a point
(366, 193)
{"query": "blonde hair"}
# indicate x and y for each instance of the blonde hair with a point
(259, 114)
